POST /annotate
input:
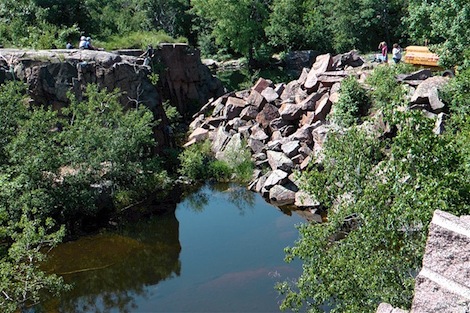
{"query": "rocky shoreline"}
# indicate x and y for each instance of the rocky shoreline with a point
(285, 125)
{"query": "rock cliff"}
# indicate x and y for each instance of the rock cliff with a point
(51, 74)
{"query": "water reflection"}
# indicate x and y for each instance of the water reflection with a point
(109, 270)
(222, 250)
(242, 198)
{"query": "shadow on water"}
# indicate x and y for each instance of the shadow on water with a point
(113, 267)
(138, 267)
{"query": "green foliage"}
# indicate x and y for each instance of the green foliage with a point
(198, 163)
(352, 104)
(194, 161)
(138, 40)
(59, 167)
(26, 24)
(239, 26)
(387, 94)
(338, 26)
(457, 93)
(443, 23)
(171, 112)
(379, 208)
(21, 281)
(220, 171)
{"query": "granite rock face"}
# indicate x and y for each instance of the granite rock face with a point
(443, 284)
(51, 74)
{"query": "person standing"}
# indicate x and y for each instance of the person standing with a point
(384, 51)
(396, 53)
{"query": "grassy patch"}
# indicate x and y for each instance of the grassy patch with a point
(138, 40)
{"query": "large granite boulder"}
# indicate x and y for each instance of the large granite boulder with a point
(443, 284)
(427, 94)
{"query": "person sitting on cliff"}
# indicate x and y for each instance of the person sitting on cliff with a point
(148, 55)
(85, 43)
(69, 45)
(82, 43)
(88, 45)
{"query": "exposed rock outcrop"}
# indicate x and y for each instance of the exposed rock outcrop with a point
(278, 123)
(443, 284)
(51, 74)
(285, 126)
(186, 82)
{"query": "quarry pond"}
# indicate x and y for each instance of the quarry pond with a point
(220, 251)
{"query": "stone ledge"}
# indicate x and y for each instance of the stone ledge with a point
(443, 284)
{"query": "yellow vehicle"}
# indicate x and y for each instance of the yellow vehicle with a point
(421, 56)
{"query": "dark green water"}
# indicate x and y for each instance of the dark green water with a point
(221, 251)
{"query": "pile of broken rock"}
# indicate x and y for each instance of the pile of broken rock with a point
(285, 125)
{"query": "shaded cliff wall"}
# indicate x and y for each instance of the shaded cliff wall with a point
(185, 81)
(51, 74)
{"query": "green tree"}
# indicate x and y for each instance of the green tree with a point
(380, 197)
(236, 25)
(284, 31)
(445, 24)
(22, 282)
(352, 104)
(172, 16)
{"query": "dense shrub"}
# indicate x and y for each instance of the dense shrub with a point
(352, 104)
(198, 163)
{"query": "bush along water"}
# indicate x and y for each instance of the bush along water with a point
(380, 195)
(198, 163)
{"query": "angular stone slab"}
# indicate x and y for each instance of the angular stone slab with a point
(323, 63)
(279, 161)
(290, 111)
(199, 134)
(269, 94)
(428, 92)
(258, 133)
(309, 103)
(262, 84)
(234, 107)
(415, 76)
(219, 140)
(280, 196)
(291, 148)
(276, 177)
(443, 284)
(249, 113)
(256, 99)
(269, 113)
(311, 83)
